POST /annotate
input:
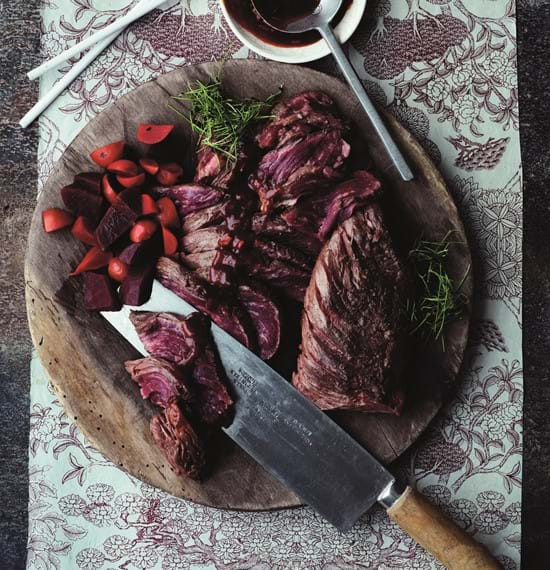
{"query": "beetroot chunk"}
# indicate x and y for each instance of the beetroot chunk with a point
(119, 218)
(81, 202)
(143, 252)
(90, 181)
(136, 288)
(159, 380)
(100, 293)
(175, 435)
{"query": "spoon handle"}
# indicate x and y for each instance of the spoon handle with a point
(355, 83)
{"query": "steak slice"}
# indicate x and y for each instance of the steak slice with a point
(175, 435)
(164, 336)
(159, 380)
(354, 320)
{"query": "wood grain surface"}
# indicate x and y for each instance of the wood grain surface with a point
(84, 355)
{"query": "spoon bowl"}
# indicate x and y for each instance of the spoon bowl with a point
(320, 13)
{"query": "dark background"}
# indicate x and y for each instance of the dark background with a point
(19, 52)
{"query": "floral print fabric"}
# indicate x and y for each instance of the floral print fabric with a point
(447, 70)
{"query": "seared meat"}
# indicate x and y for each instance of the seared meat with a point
(265, 317)
(175, 435)
(190, 198)
(164, 336)
(159, 380)
(214, 169)
(190, 287)
(301, 167)
(354, 320)
(299, 116)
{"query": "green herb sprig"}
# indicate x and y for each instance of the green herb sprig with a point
(438, 300)
(221, 122)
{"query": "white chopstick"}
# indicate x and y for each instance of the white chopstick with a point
(65, 81)
(142, 8)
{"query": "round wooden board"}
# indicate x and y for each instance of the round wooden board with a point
(85, 357)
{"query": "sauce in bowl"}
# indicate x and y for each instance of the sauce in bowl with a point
(280, 12)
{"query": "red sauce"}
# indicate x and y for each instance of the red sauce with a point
(288, 10)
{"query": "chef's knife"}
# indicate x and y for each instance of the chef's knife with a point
(306, 450)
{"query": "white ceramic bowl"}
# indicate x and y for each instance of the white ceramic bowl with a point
(301, 54)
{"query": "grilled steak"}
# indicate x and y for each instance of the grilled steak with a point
(352, 351)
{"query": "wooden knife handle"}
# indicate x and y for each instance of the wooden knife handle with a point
(438, 534)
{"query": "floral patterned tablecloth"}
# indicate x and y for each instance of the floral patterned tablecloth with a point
(447, 70)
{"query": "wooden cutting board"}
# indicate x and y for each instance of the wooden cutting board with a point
(84, 356)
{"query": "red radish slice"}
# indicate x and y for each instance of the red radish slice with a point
(108, 191)
(94, 259)
(169, 174)
(108, 154)
(143, 230)
(54, 219)
(132, 181)
(148, 206)
(153, 134)
(170, 242)
(84, 230)
(150, 165)
(124, 167)
(118, 270)
(168, 215)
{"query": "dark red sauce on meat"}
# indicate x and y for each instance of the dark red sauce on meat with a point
(288, 10)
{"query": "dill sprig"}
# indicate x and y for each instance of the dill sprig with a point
(438, 300)
(221, 122)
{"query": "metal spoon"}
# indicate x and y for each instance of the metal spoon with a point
(320, 20)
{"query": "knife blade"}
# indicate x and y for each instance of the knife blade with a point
(306, 450)
(280, 428)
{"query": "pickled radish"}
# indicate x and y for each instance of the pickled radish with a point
(54, 219)
(153, 134)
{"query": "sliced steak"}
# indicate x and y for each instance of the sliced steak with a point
(190, 198)
(265, 317)
(159, 380)
(213, 168)
(354, 321)
(175, 435)
(164, 336)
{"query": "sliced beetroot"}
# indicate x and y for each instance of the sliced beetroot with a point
(144, 252)
(136, 288)
(132, 181)
(153, 134)
(81, 202)
(54, 219)
(107, 154)
(148, 206)
(124, 167)
(265, 317)
(170, 242)
(95, 258)
(118, 270)
(111, 188)
(100, 293)
(119, 218)
(168, 214)
(169, 174)
(90, 181)
(84, 230)
(150, 165)
(143, 230)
